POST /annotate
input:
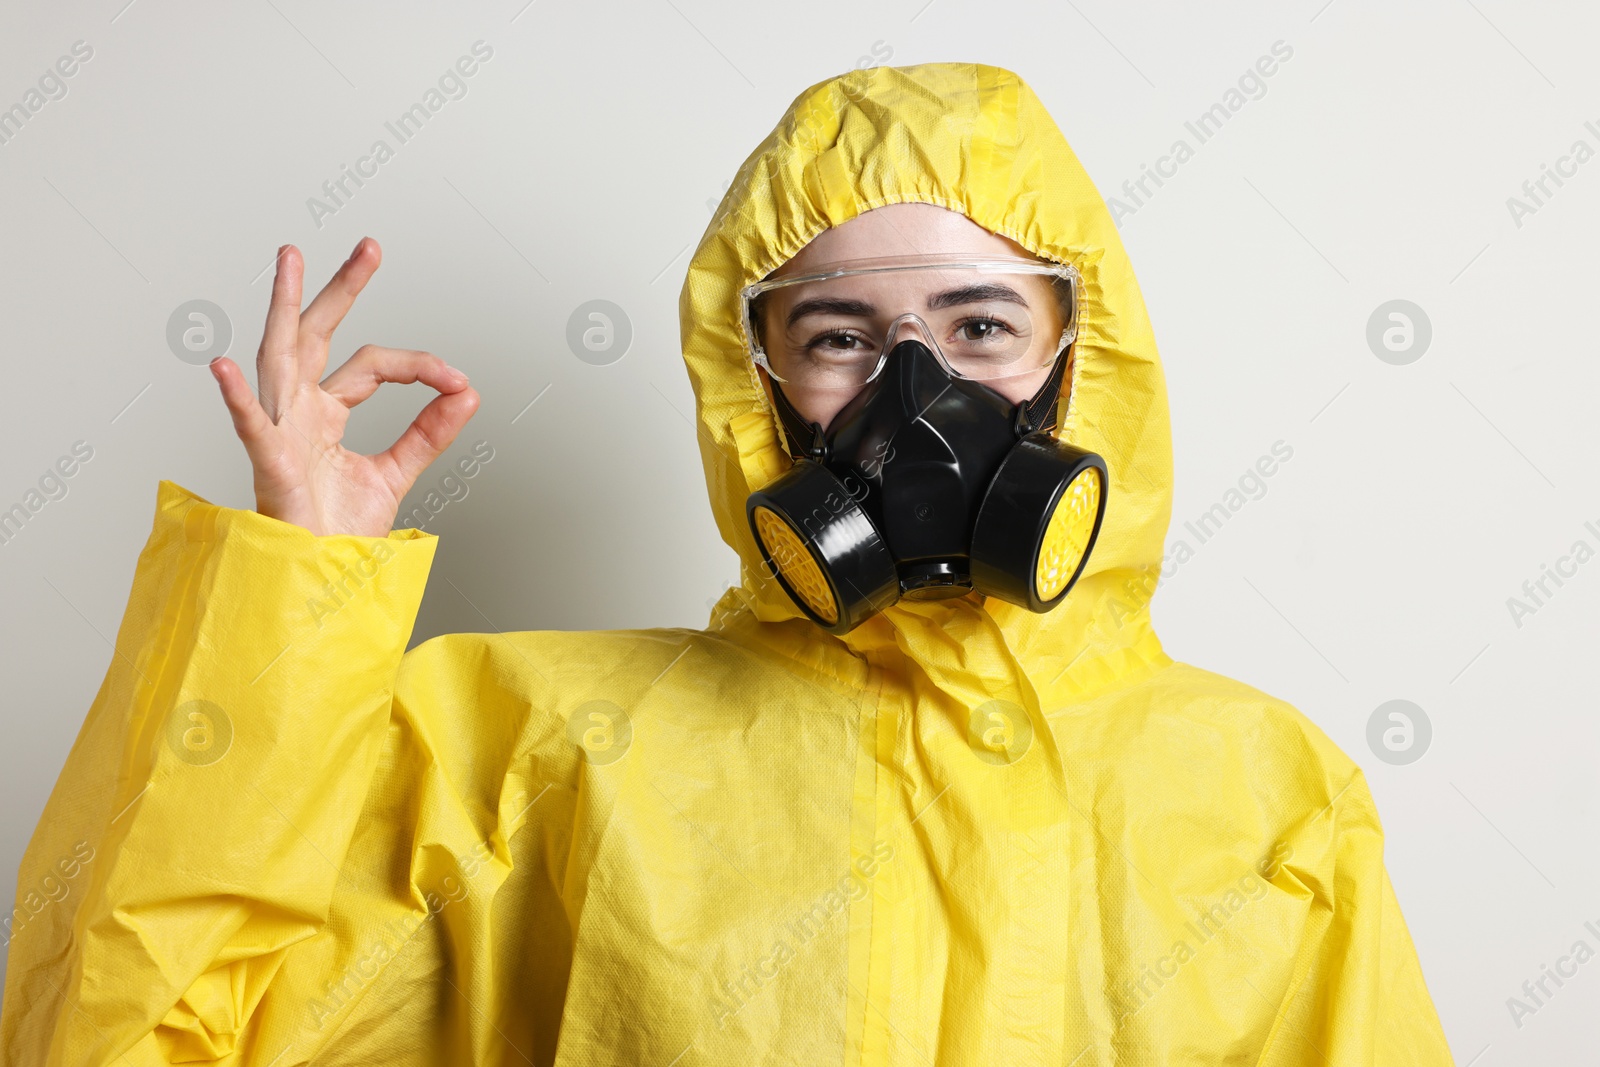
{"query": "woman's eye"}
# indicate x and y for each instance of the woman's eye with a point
(981, 329)
(838, 342)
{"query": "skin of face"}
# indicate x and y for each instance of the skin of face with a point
(903, 230)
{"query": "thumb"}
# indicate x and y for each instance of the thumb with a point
(433, 430)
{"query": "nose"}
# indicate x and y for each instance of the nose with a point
(918, 377)
(910, 327)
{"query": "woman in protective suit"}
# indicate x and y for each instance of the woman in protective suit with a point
(881, 811)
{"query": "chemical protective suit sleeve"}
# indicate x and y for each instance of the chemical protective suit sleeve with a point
(1357, 994)
(1364, 984)
(198, 828)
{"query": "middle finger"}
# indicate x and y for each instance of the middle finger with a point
(318, 321)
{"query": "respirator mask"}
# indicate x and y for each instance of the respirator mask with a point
(929, 481)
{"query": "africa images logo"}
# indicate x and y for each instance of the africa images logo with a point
(1251, 85)
(452, 85)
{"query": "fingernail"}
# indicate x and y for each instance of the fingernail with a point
(457, 375)
(357, 248)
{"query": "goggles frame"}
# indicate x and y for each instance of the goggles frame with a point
(892, 264)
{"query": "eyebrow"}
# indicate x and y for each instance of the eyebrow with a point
(966, 294)
(830, 306)
(972, 294)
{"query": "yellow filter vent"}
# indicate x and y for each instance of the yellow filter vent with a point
(1067, 534)
(795, 562)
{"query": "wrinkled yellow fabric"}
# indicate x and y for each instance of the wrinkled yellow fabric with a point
(964, 834)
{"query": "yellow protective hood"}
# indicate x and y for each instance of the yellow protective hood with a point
(973, 139)
(964, 835)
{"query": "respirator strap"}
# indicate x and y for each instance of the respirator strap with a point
(1041, 409)
(804, 440)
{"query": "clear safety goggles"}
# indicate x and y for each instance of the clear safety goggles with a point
(983, 318)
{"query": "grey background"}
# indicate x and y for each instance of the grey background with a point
(584, 163)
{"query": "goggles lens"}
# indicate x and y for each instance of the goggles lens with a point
(984, 319)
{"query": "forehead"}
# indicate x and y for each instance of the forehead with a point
(899, 230)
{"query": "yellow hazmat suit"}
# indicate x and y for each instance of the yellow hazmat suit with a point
(964, 834)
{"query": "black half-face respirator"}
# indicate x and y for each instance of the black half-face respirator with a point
(929, 484)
